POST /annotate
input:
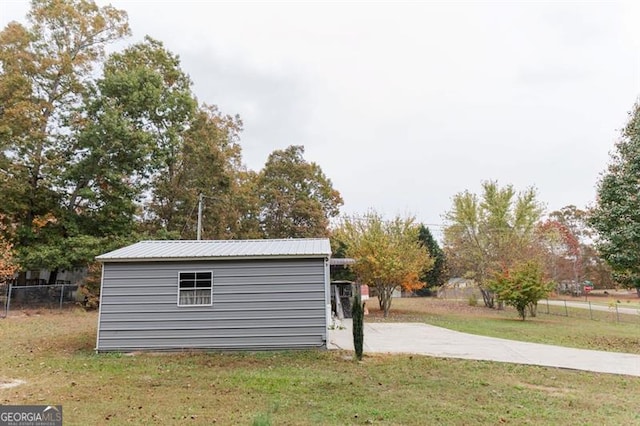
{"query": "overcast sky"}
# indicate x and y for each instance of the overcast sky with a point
(405, 104)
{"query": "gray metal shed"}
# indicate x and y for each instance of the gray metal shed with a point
(244, 294)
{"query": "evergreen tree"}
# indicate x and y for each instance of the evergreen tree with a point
(436, 276)
(616, 216)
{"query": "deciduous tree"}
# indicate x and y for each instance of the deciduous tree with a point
(8, 263)
(521, 286)
(488, 233)
(44, 73)
(296, 198)
(388, 254)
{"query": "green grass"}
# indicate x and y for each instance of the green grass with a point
(53, 353)
(576, 331)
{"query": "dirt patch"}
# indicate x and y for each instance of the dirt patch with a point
(6, 384)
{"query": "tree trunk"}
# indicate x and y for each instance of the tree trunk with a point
(384, 298)
(53, 276)
(487, 296)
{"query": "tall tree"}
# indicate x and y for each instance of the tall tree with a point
(44, 73)
(296, 198)
(591, 265)
(616, 216)
(490, 232)
(435, 276)
(561, 249)
(388, 254)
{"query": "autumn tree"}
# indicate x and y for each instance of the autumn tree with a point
(388, 254)
(44, 71)
(616, 216)
(491, 232)
(296, 199)
(590, 265)
(521, 286)
(561, 250)
(8, 262)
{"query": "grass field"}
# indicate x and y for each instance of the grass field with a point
(53, 353)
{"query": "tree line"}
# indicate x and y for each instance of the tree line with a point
(98, 150)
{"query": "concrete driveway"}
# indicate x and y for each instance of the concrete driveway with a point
(424, 339)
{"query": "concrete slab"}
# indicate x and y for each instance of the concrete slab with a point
(424, 339)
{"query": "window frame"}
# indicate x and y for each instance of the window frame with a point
(195, 288)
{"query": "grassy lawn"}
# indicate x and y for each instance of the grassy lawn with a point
(576, 331)
(52, 352)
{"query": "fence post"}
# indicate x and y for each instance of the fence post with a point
(61, 295)
(590, 312)
(547, 306)
(617, 313)
(566, 311)
(9, 299)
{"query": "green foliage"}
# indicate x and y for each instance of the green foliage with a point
(388, 254)
(521, 286)
(616, 217)
(436, 276)
(96, 151)
(358, 326)
(487, 232)
(45, 71)
(296, 198)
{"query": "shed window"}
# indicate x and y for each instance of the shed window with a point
(194, 288)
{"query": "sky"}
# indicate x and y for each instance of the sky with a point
(405, 104)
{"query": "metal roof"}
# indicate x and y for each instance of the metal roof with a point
(157, 250)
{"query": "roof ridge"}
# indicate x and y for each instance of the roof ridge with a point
(236, 241)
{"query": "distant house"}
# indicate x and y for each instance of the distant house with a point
(459, 288)
(251, 294)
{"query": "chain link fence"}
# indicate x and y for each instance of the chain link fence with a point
(49, 296)
(598, 311)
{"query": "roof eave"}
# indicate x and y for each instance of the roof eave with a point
(210, 258)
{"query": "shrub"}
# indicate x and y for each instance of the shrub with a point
(358, 326)
(521, 287)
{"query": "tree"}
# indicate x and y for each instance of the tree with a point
(44, 75)
(358, 326)
(388, 254)
(562, 251)
(489, 233)
(435, 276)
(296, 198)
(521, 286)
(616, 216)
(589, 262)
(8, 262)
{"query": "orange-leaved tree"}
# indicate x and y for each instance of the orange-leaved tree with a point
(8, 263)
(388, 254)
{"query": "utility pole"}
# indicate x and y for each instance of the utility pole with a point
(200, 202)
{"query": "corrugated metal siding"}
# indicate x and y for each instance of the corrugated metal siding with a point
(257, 304)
